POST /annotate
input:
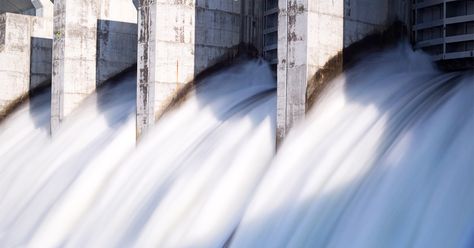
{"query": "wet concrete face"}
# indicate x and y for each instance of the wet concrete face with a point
(74, 65)
(145, 59)
(40, 62)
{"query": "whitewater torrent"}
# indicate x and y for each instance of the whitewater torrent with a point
(88, 187)
(385, 159)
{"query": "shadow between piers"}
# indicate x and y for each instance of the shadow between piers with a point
(116, 48)
(39, 96)
(39, 101)
(116, 61)
(116, 97)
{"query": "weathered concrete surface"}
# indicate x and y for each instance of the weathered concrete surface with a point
(93, 41)
(312, 32)
(25, 56)
(74, 56)
(116, 38)
(145, 65)
(179, 39)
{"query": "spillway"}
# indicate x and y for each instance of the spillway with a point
(385, 159)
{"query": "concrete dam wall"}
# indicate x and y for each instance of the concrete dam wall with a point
(93, 41)
(82, 44)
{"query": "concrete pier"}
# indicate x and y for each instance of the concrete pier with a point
(179, 39)
(93, 41)
(310, 33)
(25, 56)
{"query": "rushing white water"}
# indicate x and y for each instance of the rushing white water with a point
(89, 187)
(385, 159)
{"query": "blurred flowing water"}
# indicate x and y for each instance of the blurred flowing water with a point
(385, 159)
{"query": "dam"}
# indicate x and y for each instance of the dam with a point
(78, 45)
(239, 123)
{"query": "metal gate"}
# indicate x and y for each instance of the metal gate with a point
(444, 28)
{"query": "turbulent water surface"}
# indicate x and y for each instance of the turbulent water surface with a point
(385, 159)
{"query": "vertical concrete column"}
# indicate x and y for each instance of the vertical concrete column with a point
(177, 40)
(146, 61)
(309, 33)
(74, 56)
(217, 31)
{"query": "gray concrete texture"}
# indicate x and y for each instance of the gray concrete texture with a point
(310, 33)
(94, 40)
(41, 8)
(179, 39)
(17, 7)
(25, 56)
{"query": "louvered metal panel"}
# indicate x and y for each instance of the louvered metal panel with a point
(444, 28)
